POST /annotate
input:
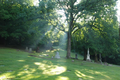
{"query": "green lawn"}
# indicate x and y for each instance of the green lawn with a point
(18, 65)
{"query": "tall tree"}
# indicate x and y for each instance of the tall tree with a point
(75, 10)
(100, 32)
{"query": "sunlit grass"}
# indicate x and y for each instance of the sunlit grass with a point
(18, 65)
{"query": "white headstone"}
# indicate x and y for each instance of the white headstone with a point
(26, 49)
(30, 50)
(88, 55)
(57, 55)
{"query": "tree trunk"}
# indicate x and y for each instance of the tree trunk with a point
(20, 40)
(96, 58)
(69, 33)
(68, 45)
(85, 54)
(105, 59)
(100, 59)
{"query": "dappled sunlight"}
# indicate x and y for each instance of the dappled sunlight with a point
(81, 75)
(98, 73)
(45, 68)
(62, 78)
(47, 50)
(106, 76)
(50, 69)
(91, 72)
(26, 70)
(30, 76)
(5, 76)
(55, 71)
(44, 54)
(21, 60)
(54, 50)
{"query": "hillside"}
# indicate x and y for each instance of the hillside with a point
(21, 65)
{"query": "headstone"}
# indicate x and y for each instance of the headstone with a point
(88, 55)
(76, 56)
(57, 55)
(26, 49)
(30, 50)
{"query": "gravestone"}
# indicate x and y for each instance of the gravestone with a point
(30, 50)
(26, 49)
(57, 55)
(76, 56)
(88, 55)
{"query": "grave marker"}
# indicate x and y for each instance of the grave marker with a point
(57, 55)
(88, 55)
(30, 50)
(26, 49)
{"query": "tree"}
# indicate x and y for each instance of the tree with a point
(99, 33)
(12, 20)
(75, 11)
(22, 21)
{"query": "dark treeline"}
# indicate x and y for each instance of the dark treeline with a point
(23, 24)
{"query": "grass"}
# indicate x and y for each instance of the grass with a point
(18, 65)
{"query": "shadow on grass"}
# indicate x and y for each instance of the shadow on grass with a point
(20, 66)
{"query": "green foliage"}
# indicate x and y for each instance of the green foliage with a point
(92, 24)
(95, 27)
(97, 11)
(22, 23)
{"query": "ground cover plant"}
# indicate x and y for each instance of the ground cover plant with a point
(19, 65)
